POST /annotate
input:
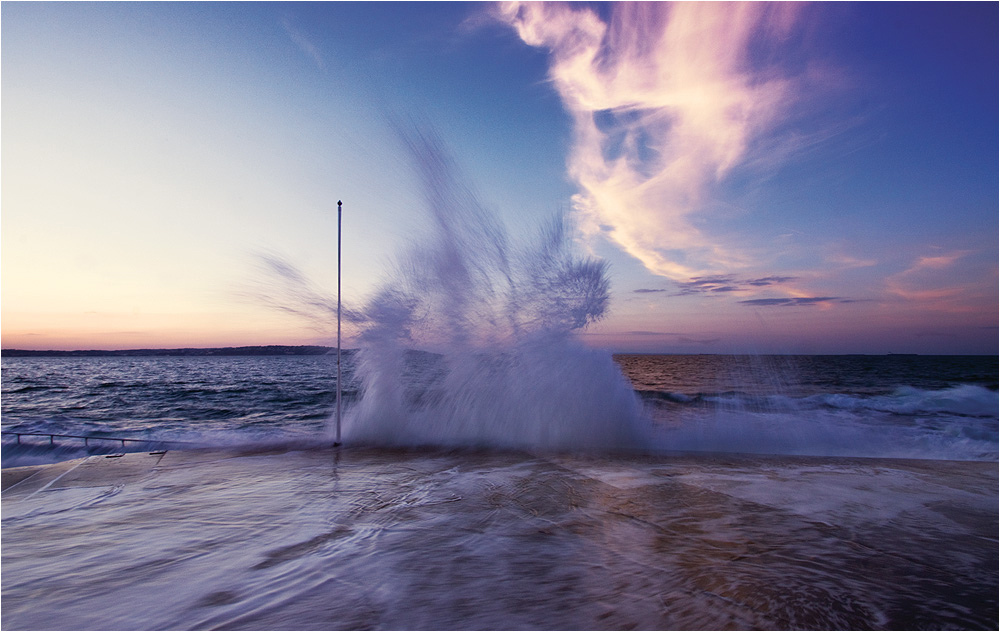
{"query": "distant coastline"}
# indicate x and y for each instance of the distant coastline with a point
(266, 350)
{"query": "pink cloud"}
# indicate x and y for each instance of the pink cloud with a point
(945, 282)
(664, 102)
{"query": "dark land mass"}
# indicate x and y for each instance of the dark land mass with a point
(267, 350)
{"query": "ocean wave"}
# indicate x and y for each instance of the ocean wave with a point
(963, 400)
(33, 388)
(967, 400)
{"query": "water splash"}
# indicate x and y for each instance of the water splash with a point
(502, 368)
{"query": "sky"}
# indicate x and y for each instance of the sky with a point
(760, 178)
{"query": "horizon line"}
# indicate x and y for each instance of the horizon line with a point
(262, 350)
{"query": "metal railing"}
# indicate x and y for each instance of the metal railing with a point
(88, 438)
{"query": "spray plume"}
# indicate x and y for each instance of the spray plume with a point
(503, 369)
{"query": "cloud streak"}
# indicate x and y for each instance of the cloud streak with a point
(665, 100)
(304, 43)
(793, 301)
(956, 282)
(722, 283)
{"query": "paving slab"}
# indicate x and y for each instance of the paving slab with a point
(356, 538)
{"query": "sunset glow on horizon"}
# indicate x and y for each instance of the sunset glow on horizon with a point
(760, 178)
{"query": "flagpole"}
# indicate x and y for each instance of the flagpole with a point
(339, 215)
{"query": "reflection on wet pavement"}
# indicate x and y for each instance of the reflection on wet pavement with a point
(365, 539)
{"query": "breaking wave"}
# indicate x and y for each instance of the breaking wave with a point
(499, 317)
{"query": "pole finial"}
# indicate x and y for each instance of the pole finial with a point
(339, 202)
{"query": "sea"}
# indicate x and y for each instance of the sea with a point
(904, 406)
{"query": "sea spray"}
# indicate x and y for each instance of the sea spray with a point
(501, 366)
(471, 343)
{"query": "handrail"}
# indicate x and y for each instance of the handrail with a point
(86, 438)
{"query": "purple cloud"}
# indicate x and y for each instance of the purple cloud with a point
(771, 280)
(791, 301)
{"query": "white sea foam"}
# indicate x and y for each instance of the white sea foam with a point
(969, 400)
(827, 431)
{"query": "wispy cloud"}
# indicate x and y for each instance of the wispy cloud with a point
(938, 261)
(847, 262)
(939, 281)
(771, 280)
(793, 301)
(723, 283)
(666, 99)
(652, 333)
(304, 43)
(677, 337)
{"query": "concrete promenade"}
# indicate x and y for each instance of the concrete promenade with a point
(356, 538)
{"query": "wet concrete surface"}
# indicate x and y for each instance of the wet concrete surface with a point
(356, 538)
